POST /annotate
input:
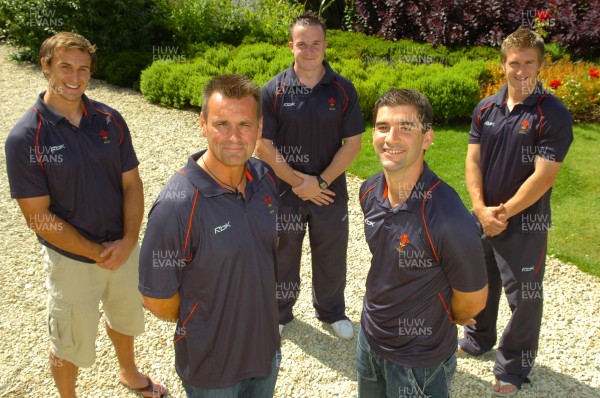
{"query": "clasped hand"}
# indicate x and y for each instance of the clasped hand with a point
(308, 189)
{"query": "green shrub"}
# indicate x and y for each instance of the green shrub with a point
(453, 91)
(268, 20)
(452, 96)
(555, 50)
(208, 21)
(138, 24)
(124, 68)
(153, 81)
(176, 84)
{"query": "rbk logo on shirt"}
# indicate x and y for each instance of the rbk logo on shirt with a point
(223, 227)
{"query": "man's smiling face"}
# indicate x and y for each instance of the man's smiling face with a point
(68, 73)
(521, 70)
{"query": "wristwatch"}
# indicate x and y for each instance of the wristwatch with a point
(322, 183)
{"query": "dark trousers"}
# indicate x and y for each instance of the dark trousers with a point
(328, 234)
(515, 261)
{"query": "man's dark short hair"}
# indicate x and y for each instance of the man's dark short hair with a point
(309, 18)
(66, 41)
(231, 86)
(402, 96)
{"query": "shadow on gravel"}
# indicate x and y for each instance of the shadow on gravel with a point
(322, 345)
(545, 382)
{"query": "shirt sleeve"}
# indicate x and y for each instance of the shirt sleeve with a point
(459, 247)
(162, 256)
(353, 122)
(129, 159)
(268, 112)
(25, 174)
(475, 133)
(557, 134)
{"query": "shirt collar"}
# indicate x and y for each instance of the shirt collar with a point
(326, 79)
(208, 186)
(54, 117)
(413, 204)
(532, 100)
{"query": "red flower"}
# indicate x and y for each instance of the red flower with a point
(404, 239)
(543, 16)
(555, 84)
(594, 73)
(267, 199)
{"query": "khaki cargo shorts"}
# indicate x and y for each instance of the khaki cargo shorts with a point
(75, 290)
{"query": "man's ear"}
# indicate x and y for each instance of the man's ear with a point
(260, 127)
(428, 141)
(202, 125)
(45, 67)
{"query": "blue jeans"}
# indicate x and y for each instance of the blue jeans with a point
(256, 387)
(378, 377)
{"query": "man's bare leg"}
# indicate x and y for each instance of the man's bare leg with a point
(128, 372)
(65, 376)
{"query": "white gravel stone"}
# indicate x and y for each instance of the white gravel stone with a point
(315, 363)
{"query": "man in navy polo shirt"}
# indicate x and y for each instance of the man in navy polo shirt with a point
(312, 128)
(427, 272)
(73, 170)
(209, 253)
(519, 137)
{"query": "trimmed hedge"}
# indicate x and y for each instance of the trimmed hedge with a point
(454, 79)
(453, 90)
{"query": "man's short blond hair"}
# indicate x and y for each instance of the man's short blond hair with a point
(67, 40)
(522, 39)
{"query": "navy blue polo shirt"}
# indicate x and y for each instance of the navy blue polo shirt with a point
(80, 168)
(219, 251)
(421, 250)
(307, 125)
(511, 140)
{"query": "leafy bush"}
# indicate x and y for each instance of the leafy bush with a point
(347, 45)
(269, 20)
(453, 85)
(123, 69)
(138, 24)
(211, 22)
(573, 23)
(180, 84)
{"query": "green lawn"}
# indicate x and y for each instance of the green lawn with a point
(575, 197)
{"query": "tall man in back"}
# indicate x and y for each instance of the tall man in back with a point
(312, 132)
(519, 137)
(73, 170)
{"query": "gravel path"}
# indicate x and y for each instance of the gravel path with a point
(315, 363)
